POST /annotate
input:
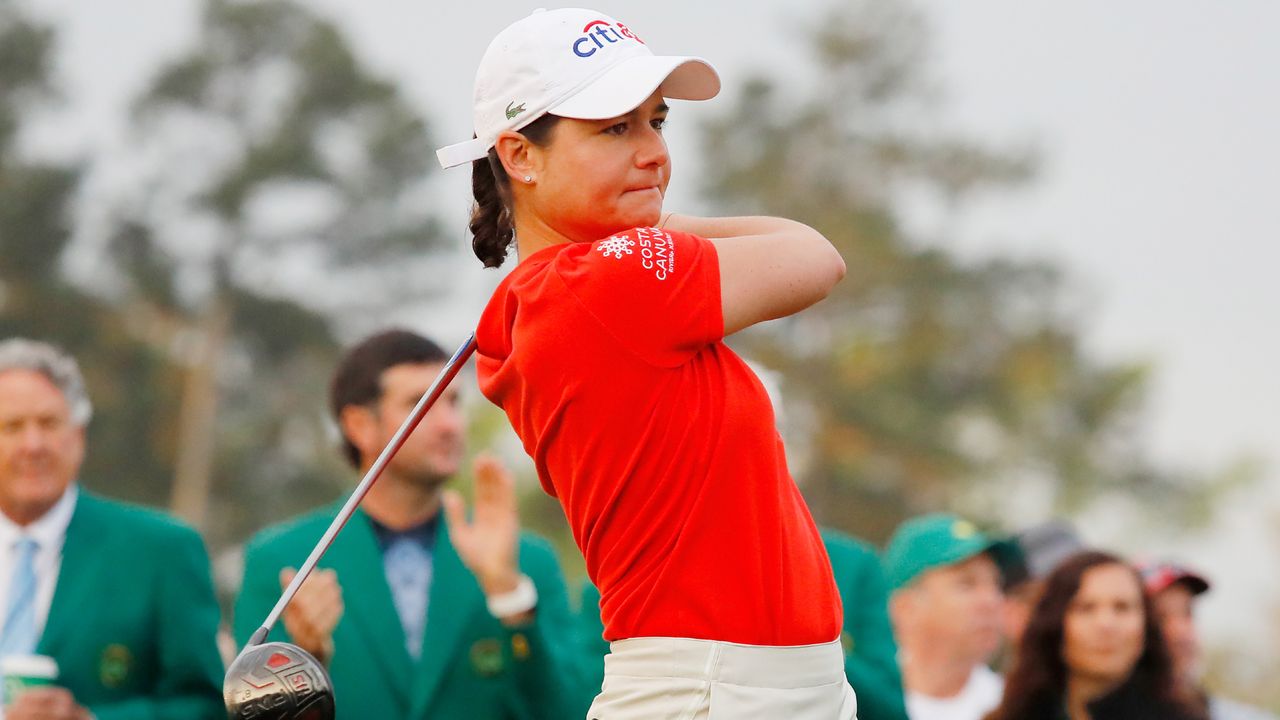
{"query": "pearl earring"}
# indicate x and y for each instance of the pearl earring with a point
(528, 178)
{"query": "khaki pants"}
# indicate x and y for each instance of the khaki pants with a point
(683, 679)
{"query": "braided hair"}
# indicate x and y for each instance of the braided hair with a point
(492, 224)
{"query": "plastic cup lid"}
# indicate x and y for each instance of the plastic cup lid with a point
(41, 666)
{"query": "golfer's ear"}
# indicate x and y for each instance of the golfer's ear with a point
(359, 426)
(518, 155)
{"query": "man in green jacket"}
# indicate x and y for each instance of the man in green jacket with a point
(119, 597)
(420, 613)
(870, 654)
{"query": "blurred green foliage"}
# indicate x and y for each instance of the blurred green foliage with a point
(927, 380)
(284, 176)
(277, 196)
(129, 380)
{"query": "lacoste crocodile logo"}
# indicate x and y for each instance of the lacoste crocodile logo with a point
(514, 111)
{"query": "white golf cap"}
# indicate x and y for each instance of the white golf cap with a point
(573, 63)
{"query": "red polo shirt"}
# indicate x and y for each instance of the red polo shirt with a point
(658, 440)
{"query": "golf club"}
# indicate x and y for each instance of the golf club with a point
(279, 681)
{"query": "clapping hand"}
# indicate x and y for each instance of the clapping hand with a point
(488, 542)
(314, 612)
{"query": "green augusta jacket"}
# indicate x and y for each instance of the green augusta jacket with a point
(870, 653)
(472, 666)
(133, 622)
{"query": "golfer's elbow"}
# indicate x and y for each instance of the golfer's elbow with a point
(829, 267)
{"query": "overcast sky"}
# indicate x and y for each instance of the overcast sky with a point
(1157, 121)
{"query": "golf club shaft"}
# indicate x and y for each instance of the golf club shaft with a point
(442, 381)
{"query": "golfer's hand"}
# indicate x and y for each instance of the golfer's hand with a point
(314, 612)
(46, 703)
(488, 542)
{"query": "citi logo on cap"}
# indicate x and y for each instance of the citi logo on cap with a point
(598, 33)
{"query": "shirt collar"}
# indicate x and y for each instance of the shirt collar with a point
(49, 529)
(423, 533)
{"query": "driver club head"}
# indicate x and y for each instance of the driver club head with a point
(277, 681)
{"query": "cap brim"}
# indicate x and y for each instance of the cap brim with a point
(1007, 554)
(623, 87)
(1195, 584)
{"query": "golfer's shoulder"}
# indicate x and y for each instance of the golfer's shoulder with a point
(631, 250)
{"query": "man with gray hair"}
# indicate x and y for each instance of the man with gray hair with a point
(116, 601)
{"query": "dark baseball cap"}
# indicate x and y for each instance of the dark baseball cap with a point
(937, 540)
(1042, 548)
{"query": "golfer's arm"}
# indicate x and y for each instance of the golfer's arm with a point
(769, 267)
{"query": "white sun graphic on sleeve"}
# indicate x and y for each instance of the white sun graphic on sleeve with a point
(616, 246)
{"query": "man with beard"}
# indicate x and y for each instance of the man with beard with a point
(419, 613)
(944, 578)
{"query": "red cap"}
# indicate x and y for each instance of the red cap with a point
(1158, 576)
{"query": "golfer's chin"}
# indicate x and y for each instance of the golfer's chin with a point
(643, 210)
(629, 212)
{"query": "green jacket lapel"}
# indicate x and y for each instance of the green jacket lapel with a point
(77, 575)
(455, 596)
(358, 561)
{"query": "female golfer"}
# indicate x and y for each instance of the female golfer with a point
(604, 347)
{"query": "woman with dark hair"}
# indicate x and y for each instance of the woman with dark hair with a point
(1092, 650)
(604, 346)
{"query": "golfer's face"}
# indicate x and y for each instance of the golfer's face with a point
(40, 447)
(433, 452)
(602, 176)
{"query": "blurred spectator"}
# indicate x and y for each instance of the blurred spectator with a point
(1093, 650)
(120, 597)
(870, 653)
(1039, 550)
(1174, 589)
(449, 618)
(590, 637)
(869, 650)
(945, 579)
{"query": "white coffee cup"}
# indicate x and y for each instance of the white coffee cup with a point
(24, 672)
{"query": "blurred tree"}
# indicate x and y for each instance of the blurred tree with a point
(126, 379)
(925, 381)
(34, 223)
(284, 192)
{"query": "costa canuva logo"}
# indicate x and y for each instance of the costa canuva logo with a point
(599, 32)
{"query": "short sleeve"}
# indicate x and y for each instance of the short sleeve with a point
(657, 293)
